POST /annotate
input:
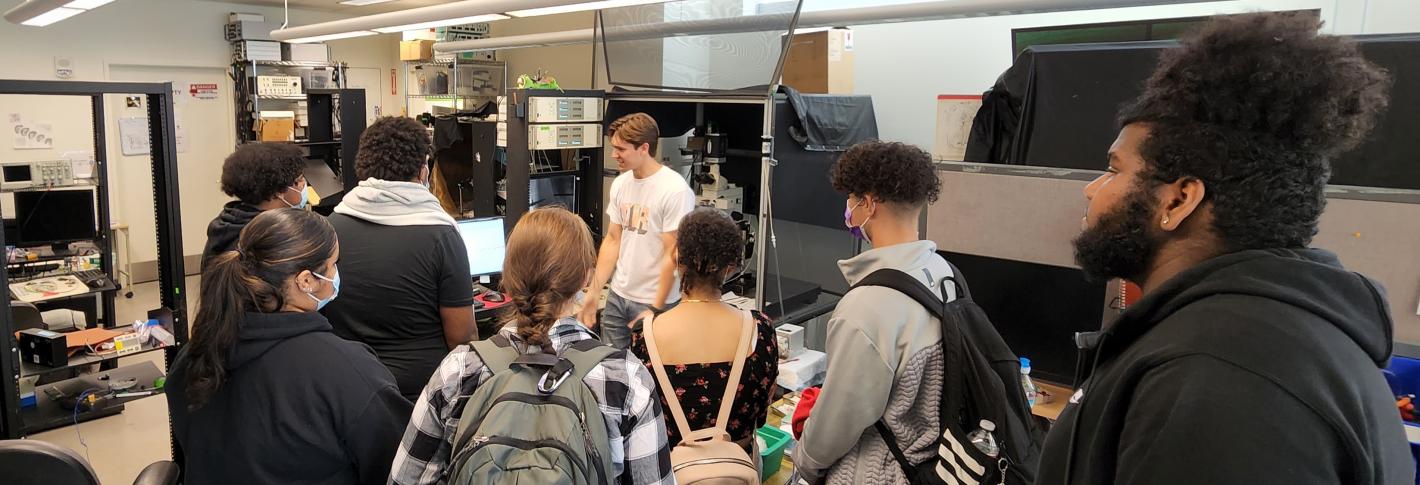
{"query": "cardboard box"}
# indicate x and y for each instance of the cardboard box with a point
(416, 50)
(277, 129)
(820, 62)
(305, 52)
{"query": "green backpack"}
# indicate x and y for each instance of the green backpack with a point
(534, 421)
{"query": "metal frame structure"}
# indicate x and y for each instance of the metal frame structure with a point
(767, 98)
(453, 64)
(248, 102)
(162, 154)
(519, 160)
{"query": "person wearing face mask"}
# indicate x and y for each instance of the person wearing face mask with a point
(885, 359)
(262, 176)
(264, 392)
(408, 293)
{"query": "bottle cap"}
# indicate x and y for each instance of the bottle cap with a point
(987, 425)
(1025, 363)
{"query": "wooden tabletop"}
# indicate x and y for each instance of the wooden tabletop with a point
(1052, 409)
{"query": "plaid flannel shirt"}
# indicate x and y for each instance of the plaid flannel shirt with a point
(626, 391)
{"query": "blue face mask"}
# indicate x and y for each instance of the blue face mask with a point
(335, 285)
(305, 198)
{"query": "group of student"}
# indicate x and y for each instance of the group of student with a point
(1251, 358)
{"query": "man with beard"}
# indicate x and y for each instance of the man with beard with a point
(1251, 358)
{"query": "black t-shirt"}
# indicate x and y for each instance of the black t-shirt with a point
(394, 279)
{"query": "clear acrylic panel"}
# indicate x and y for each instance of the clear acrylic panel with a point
(697, 45)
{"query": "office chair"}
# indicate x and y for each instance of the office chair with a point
(25, 315)
(31, 462)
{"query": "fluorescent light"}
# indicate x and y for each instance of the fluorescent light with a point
(87, 4)
(581, 7)
(361, 3)
(442, 23)
(323, 38)
(52, 16)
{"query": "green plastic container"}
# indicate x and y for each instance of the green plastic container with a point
(773, 453)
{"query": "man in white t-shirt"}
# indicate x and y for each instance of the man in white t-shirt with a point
(647, 203)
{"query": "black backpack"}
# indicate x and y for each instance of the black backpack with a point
(982, 381)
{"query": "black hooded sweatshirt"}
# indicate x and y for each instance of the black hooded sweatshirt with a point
(1258, 367)
(299, 405)
(223, 231)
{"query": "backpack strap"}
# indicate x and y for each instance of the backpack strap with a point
(586, 354)
(953, 343)
(746, 342)
(737, 367)
(658, 368)
(496, 352)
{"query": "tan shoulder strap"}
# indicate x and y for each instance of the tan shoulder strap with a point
(737, 367)
(659, 369)
(748, 334)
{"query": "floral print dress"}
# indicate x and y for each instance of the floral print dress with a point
(699, 387)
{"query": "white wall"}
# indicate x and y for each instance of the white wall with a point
(571, 65)
(905, 66)
(182, 38)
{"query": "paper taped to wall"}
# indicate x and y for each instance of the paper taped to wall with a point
(29, 134)
(133, 135)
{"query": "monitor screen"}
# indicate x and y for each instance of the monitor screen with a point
(54, 216)
(17, 173)
(1037, 308)
(485, 241)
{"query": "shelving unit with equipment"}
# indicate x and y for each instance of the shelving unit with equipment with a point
(278, 86)
(113, 385)
(451, 84)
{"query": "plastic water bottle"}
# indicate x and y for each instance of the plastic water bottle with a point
(984, 440)
(1026, 384)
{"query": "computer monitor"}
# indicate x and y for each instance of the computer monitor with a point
(553, 190)
(54, 217)
(1037, 309)
(486, 243)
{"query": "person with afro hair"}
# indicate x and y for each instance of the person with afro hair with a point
(408, 291)
(1252, 358)
(261, 176)
(697, 340)
(885, 350)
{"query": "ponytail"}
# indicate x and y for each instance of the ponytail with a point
(226, 287)
(275, 246)
(550, 253)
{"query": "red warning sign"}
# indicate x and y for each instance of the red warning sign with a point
(203, 91)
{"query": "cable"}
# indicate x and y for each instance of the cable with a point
(79, 403)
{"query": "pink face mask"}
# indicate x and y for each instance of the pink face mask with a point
(857, 230)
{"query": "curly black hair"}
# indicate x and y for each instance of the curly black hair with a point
(394, 148)
(892, 172)
(256, 172)
(1256, 106)
(709, 243)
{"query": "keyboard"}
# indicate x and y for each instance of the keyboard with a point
(92, 278)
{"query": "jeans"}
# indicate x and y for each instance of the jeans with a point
(617, 317)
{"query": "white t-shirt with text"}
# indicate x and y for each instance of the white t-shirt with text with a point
(646, 208)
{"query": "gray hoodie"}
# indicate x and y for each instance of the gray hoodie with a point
(884, 362)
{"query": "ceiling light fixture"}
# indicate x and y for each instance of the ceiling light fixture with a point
(451, 13)
(39, 13)
(442, 23)
(581, 7)
(87, 4)
(52, 16)
(323, 38)
(361, 3)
